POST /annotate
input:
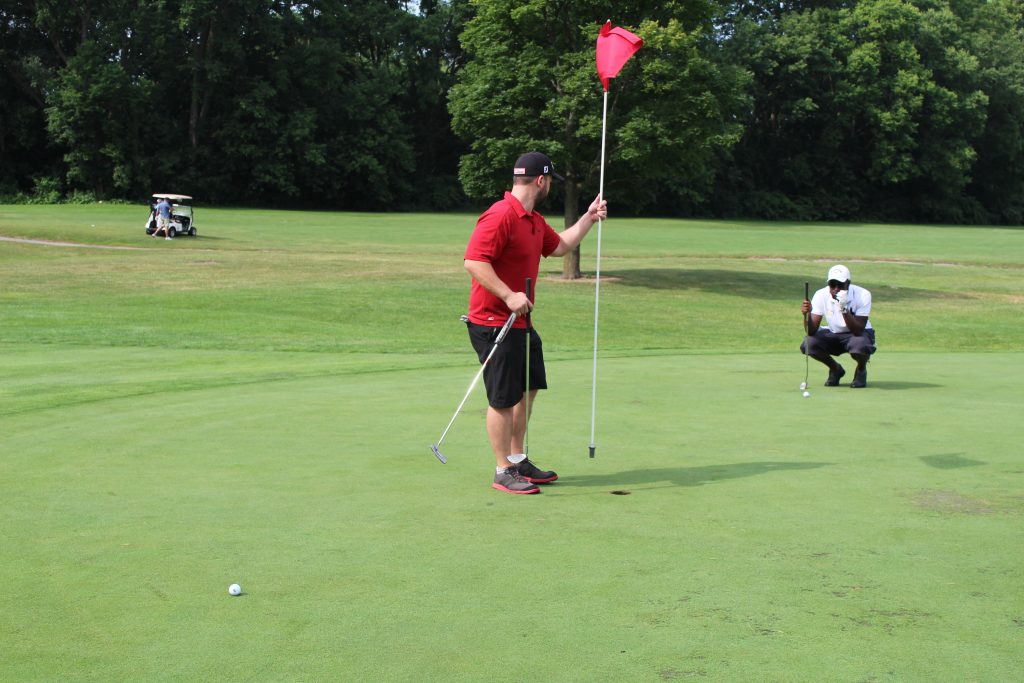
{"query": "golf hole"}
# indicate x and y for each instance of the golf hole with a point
(619, 493)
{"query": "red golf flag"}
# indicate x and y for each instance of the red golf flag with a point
(614, 48)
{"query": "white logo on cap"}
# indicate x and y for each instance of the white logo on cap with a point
(546, 170)
(519, 171)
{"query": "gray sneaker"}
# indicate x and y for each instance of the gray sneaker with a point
(535, 475)
(511, 481)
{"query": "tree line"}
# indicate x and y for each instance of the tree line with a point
(825, 110)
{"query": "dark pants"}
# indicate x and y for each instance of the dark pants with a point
(825, 342)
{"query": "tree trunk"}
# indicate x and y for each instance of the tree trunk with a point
(195, 113)
(571, 261)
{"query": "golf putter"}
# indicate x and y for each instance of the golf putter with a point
(436, 448)
(526, 395)
(807, 331)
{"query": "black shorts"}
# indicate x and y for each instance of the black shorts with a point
(504, 376)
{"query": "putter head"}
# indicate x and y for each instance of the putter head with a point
(438, 454)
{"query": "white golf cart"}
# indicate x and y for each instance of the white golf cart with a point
(182, 222)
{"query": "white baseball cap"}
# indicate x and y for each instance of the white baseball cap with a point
(838, 273)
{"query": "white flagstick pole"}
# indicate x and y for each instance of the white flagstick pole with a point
(597, 282)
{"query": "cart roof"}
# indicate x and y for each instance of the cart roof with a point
(157, 195)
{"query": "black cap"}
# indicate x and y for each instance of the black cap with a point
(534, 164)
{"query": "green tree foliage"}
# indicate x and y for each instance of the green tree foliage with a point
(875, 108)
(28, 60)
(995, 31)
(25, 149)
(320, 103)
(310, 103)
(430, 60)
(104, 153)
(530, 83)
(824, 109)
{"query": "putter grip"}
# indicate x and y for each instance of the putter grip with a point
(529, 295)
(807, 316)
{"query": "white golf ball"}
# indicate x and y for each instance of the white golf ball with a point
(235, 589)
(803, 385)
(806, 394)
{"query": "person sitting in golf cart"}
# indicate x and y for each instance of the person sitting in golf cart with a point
(846, 308)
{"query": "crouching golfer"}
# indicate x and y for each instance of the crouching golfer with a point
(846, 308)
(504, 250)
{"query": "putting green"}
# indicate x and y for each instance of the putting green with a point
(256, 406)
(853, 535)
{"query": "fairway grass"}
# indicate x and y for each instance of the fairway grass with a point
(258, 408)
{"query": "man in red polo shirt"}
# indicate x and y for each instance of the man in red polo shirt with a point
(505, 249)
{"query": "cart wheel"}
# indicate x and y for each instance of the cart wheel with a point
(192, 232)
(171, 232)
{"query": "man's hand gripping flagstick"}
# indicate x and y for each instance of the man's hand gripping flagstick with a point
(614, 48)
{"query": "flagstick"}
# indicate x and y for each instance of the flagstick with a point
(597, 282)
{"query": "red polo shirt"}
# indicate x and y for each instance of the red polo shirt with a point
(512, 241)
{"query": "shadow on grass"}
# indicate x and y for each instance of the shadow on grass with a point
(755, 285)
(684, 476)
(900, 386)
(949, 461)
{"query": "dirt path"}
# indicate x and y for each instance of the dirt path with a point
(48, 243)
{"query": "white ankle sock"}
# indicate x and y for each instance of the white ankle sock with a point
(517, 458)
